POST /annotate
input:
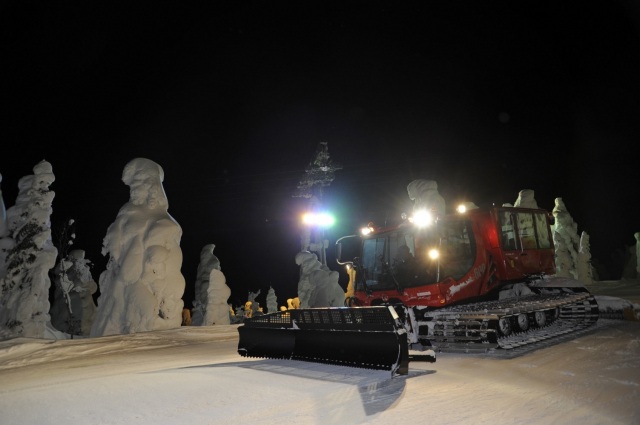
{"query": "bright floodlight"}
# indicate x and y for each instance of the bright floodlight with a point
(422, 218)
(434, 254)
(318, 219)
(367, 229)
(462, 208)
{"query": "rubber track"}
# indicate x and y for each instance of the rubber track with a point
(474, 328)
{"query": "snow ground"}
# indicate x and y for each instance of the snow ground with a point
(193, 375)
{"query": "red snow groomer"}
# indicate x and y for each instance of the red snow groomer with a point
(474, 280)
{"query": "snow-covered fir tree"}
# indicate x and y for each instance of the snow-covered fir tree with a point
(272, 301)
(637, 236)
(565, 234)
(73, 309)
(6, 242)
(253, 303)
(308, 262)
(425, 196)
(3, 214)
(584, 268)
(318, 284)
(629, 259)
(526, 199)
(217, 310)
(24, 288)
(318, 174)
(208, 262)
(564, 263)
(142, 287)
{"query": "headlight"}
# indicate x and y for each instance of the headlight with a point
(370, 227)
(318, 219)
(422, 218)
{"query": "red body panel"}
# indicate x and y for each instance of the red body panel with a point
(495, 263)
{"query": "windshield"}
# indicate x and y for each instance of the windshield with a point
(457, 249)
(400, 259)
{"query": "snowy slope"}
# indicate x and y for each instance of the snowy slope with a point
(193, 375)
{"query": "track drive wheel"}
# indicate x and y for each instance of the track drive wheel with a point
(523, 322)
(540, 318)
(504, 326)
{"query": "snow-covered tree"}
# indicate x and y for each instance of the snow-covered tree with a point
(6, 241)
(253, 303)
(629, 259)
(565, 233)
(64, 285)
(217, 311)
(319, 285)
(526, 199)
(208, 262)
(73, 309)
(142, 287)
(584, 268)
(24, 288)
(326, 289)
(308, 262)
(425, 196)
(637, 236)
(3, 215)
(272, 301)
(318, 174)
(564, 263)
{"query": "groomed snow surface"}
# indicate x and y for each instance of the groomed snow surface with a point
(193, 375)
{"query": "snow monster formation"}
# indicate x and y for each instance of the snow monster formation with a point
(637, 237)
(318, 286)
(272, 301)
(212, 293)
(208, 263)
(217, 311)
(566, 241)
(526, 199)
(142, 287)
(30, 254)
(425, 195)
(73, 309)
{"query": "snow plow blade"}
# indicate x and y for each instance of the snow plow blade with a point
(365, 337)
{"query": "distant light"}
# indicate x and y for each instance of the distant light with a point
(462, 209)
(434, 254)
(322, 219)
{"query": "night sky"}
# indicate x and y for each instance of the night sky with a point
(233, 98)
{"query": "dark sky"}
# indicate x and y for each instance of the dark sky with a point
(232, 99)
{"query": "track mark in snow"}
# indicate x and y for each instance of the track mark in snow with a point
(630, 383)
(587, 348)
